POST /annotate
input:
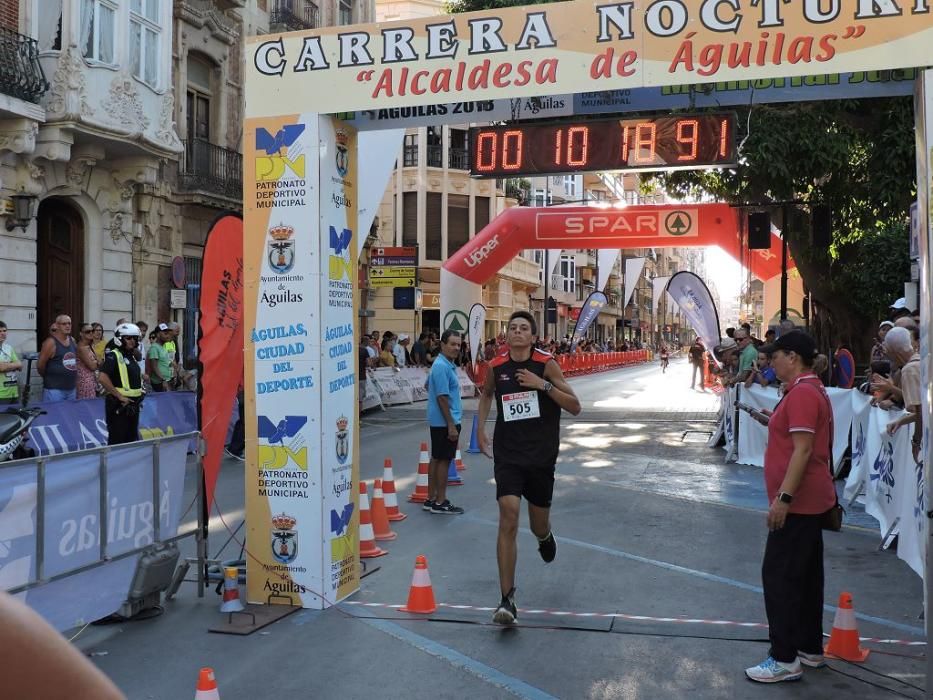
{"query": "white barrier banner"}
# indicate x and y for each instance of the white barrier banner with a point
(72, 526)
(861, 417)
(753, 437)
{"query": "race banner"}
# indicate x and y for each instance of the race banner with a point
(220, 339)
(693, 298)
(658, 285)
(68, 426)
(381, 149)
(475, 330)
(559, 48)
(633, 268)
(302, 479)
(589, 312)
(605, 260)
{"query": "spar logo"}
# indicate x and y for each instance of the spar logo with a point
(480, 254)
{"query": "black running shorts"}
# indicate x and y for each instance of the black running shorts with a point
(441, 447)
(535, 484)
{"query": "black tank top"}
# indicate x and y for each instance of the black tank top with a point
(519, 439)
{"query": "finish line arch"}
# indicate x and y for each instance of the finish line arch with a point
(646, 226)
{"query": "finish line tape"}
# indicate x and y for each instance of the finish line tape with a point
(624, 616)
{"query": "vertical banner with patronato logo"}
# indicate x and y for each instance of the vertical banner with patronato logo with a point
(339, 427)
(293, 339)
(475, 330)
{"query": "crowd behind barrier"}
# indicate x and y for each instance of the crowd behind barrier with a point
(388, 386)
(883, 476)
(65, 558)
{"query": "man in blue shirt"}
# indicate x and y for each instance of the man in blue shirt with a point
(444, 415)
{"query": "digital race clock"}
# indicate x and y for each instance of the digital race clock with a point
(649, 143)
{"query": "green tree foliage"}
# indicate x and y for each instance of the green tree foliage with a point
(855, 156)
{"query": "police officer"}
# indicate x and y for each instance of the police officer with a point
(122, 381)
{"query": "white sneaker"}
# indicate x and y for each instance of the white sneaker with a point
(811, 660)
(771, 671)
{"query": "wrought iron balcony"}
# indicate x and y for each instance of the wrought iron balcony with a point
(21, 75)
(410, 156)
(435, 156)
(206, 167)
(459, 159)
(292, 15)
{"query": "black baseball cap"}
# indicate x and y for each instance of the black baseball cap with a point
(793, 341)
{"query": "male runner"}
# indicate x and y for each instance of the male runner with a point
(530, 391)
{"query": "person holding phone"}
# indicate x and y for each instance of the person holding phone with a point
(800, 490)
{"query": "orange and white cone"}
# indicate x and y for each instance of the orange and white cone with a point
(420, 494)
(207, 686)
(420, 595)
(844, 641)
(368, 547)
(381, 527)
(231, 601)
(459, 461)
(388, 492)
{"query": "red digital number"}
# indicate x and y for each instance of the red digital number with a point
(578, 145)
(646, 138)
(688, 132)
(512, 149)
(724, 138)
(486, 144)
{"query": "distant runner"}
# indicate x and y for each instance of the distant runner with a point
(665, 357)
(530, 391)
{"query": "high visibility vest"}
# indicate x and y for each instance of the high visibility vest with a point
(124, 387)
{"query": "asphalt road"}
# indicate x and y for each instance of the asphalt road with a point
(653, 530)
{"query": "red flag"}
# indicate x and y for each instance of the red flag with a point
(220, 342)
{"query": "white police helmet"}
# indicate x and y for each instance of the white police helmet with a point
(125, 330)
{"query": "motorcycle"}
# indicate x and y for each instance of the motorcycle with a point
(14, 431)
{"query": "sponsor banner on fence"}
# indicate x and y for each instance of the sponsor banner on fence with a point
(80, 425)
(562, 48)
(72, 522)
(300, 270)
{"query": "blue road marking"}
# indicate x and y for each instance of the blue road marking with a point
(455, 658)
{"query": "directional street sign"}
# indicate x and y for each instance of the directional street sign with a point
(383, 282)
(392, 272)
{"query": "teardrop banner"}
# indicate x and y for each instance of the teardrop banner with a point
(594, 303)
(475, 330)
(696, 303)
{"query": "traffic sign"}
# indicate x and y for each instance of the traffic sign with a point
(392, 272)
(388, 260)
(385, 282)
(408, 251)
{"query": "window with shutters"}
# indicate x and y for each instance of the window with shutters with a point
(432, 229)
(409, 218)
(481, 215)
(458, 222)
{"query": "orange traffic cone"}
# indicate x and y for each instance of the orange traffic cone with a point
(380, 518)
(420, 595)
(207, 686)
(459, 461)
(420, 494)
(368, 548)
(388, 492)
(843, 641)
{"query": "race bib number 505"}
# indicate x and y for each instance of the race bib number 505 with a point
(520, 406)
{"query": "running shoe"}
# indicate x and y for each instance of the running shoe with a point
(235, 455)
(547, 548)
(772, 671)
(446, 508)
(811, 660)
(427, 505)
(506, 613)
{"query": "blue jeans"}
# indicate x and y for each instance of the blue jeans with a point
(50, 395)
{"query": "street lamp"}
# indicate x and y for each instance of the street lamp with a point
(23, 211)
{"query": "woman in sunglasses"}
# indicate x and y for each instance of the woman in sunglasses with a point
(86, 381)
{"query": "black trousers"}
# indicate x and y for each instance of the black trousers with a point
(238, 437)
(698, 368)
(792, 576)
(121, 427)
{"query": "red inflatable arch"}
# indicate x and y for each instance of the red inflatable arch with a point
(649, 226)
